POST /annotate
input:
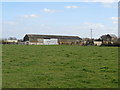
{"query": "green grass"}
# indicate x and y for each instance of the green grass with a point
(62, 66)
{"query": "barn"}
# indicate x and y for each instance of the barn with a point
(34, 39)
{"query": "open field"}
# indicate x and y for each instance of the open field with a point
(59, 66)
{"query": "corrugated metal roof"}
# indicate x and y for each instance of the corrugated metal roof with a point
(52, 36)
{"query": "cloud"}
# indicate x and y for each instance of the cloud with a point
(30, 16)
(71, 6)
(102, 1)
(110, 5)
(10, 23)
(98, 29)
(49, 10)
(44, 26)
(105, 3)
(114, 20)
(93, 25)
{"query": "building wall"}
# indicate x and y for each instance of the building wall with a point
(11, 41)
(33, 43)
(98, 43)
(50, 41)
(43, 42)
(69, 41)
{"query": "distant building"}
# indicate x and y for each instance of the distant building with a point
(98, 42)
(33, 39)
(108, 39)
(9, 41)
(12, 41)
(86, 42)
(117, 42)
(21, 42)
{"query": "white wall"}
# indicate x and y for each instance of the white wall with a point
(12, 41)
(98, 43)
(45, 42)
(50, 41)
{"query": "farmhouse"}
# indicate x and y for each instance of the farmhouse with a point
(108, 39)
(33, 39)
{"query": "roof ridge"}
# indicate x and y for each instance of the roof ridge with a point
(52, 35)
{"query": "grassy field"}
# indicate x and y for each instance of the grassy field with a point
(59, 66)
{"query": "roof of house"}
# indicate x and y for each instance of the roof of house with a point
(112, 35)
(52, 36)
(98, 39)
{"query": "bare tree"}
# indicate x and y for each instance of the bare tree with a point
(12, 38)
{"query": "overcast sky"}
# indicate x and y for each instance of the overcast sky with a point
(59, 18)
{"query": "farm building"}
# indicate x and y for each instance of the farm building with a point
(86, 42)
(33, 39)
(108, 39)
(9, 41)
(98, 42)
